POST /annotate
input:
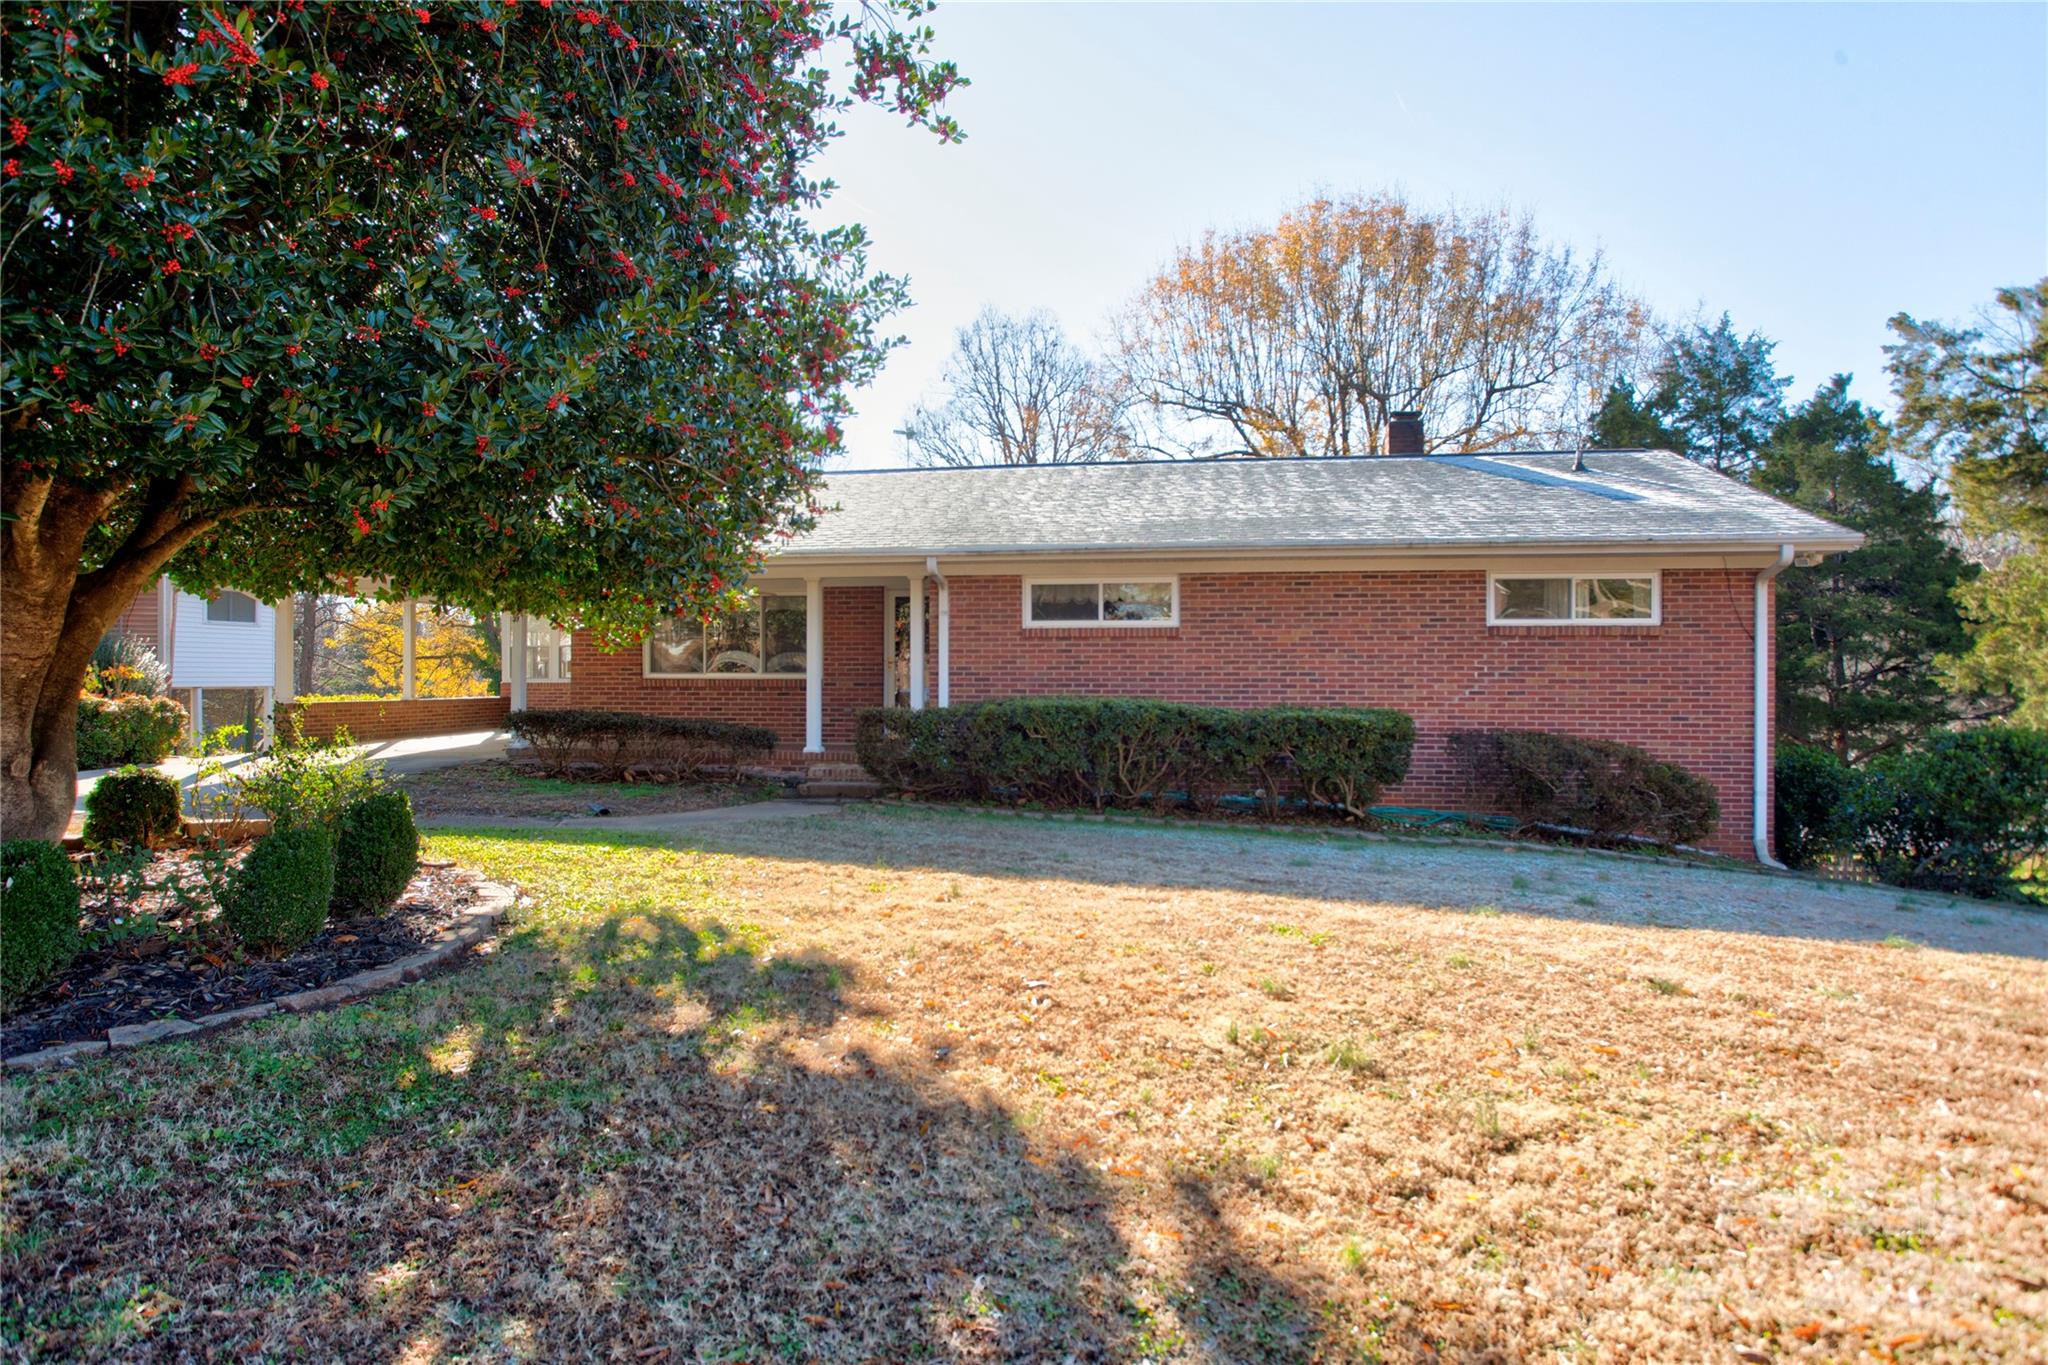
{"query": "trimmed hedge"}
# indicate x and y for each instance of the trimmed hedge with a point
(375, 853)
(130, 807)
(1088, 751)
(277, 897)
(38, 917)
(127, 729)
(1962, 813)
(618, 742)
(1814, 797)
(1607, 789)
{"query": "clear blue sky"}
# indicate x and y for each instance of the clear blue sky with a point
(1810, 169)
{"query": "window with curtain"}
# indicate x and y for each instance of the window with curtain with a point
(1108, 602)
(762, 637)
(1568, 599)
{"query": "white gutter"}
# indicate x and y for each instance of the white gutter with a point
(1760, 766)
(931, 566)
(798, 562)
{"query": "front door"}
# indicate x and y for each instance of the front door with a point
(896, 663)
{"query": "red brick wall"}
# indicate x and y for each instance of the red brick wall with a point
(1415, 641)
(394, 718)
(853, 659)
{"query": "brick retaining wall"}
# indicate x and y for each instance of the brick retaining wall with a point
(396, 718)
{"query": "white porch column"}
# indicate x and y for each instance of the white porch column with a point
(917, 642)
(814, 666)
(283, 684)
(515, 640)
(407, 680)
(504, 653)
(198, 717)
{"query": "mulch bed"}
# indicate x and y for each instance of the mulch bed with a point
(190, 969)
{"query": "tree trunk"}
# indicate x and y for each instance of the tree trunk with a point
(51, 618)
(305, 648)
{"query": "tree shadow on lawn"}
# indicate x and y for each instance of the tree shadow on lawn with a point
(655, 1141)
(1548, 882)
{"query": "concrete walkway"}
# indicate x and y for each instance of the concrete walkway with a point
(418, 755)
(665, 822)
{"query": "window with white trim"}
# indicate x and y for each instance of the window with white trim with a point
(1574, 599)
(232, 608)
(547, 653)
(762, 637)
(1104, 602)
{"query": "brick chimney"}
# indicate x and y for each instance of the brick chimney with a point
(1404, 433)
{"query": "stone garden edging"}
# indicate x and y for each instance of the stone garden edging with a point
(477, 923)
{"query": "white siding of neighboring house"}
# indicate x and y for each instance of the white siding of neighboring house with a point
(220, 653)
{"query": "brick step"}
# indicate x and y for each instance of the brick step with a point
(838, 772)
(824, 790)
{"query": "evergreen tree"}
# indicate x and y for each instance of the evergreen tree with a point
(1625, 422)
(1717, 396)
(2007, 613)
(1858, 634)
(1974, 401)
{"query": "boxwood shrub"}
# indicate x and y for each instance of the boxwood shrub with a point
(613, 743)
(132, 807)
(38, 917)
(1964, 812)
(1600, 787)
(1118, 751)
(127, 729)
(375, 853)
(276, 899)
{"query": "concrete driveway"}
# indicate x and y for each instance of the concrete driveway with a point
(416, 755)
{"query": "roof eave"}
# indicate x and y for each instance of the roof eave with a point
(1837, 541)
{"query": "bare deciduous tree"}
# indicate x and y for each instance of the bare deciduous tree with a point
(1018, 392)
(1299, 339)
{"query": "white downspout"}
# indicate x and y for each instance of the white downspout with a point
(1760, 766)
(931, 566)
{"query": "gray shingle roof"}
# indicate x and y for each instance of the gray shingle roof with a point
(1437, 501)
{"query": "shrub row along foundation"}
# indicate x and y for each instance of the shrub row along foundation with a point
(616, 743)
(1104, 752)
(1101, 752)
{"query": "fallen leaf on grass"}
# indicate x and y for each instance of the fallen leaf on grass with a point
(1905, 1339)
(1609, 1051)
(1809, 1331)
(1450, 1305)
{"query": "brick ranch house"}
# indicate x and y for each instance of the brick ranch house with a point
(1619, 595)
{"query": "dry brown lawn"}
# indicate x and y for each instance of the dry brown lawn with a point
(892, 1085)
(502, 791)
